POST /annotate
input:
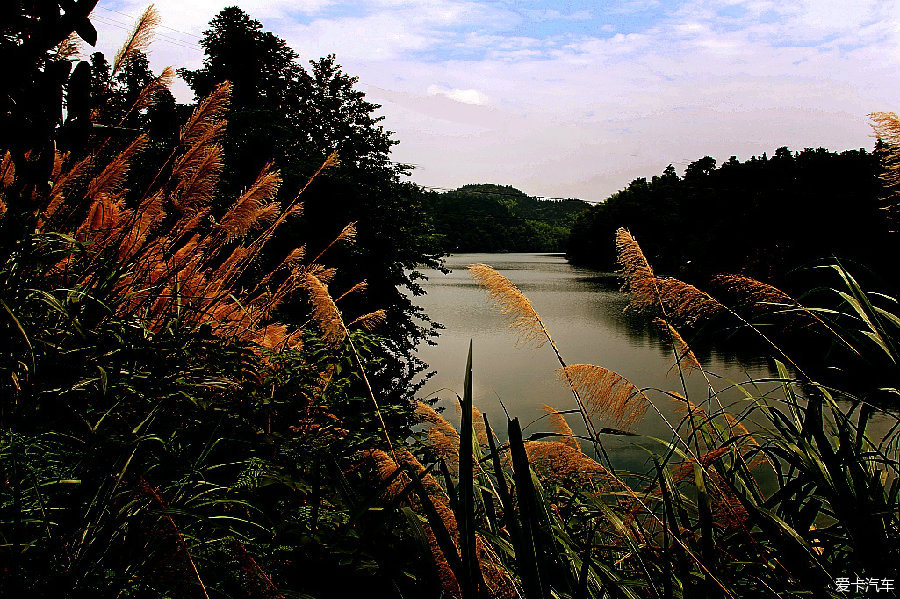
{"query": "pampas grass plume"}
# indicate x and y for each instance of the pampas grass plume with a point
(517, 308)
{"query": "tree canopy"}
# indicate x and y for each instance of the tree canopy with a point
(764, 217)
(296, 116)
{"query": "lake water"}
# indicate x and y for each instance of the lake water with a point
(584, 312)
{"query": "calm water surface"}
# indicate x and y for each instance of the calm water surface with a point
(583, 310)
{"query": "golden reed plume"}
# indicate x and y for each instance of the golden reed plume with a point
(442, 438)
(639, 277)
(386, 467)
(513, 304)
(672, 298)
(756, 293)
(370, 321)
(559, 426)
(746, 442)
(524, 319)
(325, 313)
(208, 118)
(561, 463)
(254, 206)
(606, 394)
(686, 303)
(887, 130)
(687, 361)
(358, 288)
(151, 93)
(758, 296)
(497, 578)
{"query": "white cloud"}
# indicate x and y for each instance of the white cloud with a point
(583, 114)
(466, 96)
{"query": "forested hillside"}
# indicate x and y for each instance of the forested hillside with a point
(764, 216)
(498, 218)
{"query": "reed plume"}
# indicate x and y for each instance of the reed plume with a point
(639, 278)
(887, 130)
(151, 93)
(207, 119)
(111, 179)
(68, 48)
(7, 170)
(289, 264)
(197, 176)
(139, 40)
(686, 360)
(686, 303)
(370, 321)
(480, 429)
(559, 426)
(253, 206)
(755, 293)
(672, 298)
(334, 332)
(524, 319)
(745, 441)
(675, 299)
(686, 406)
(325, 313)
(347, 235)
(442, 437)
(606, 394)
(357, 288)
(561, 463)
(386, 466)
(513, 304)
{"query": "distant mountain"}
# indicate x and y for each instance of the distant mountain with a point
(501, 218)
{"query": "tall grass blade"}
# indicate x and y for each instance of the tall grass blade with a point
(531, 574)
(472, 579)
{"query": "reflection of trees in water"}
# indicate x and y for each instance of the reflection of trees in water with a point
(731, 350)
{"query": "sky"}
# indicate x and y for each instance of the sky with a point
(576, 99)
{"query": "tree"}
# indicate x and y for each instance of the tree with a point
(36, 42)
(297, 117)
(113, 96)
(764, 217)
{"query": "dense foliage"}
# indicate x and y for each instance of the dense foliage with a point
(495, 218)
(296, 116)
(163, 434)
(786, 211)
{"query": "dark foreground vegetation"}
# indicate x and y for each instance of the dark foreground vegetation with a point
(495, 218)
(196, 399)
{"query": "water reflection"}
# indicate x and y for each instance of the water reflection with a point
(585, 313)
